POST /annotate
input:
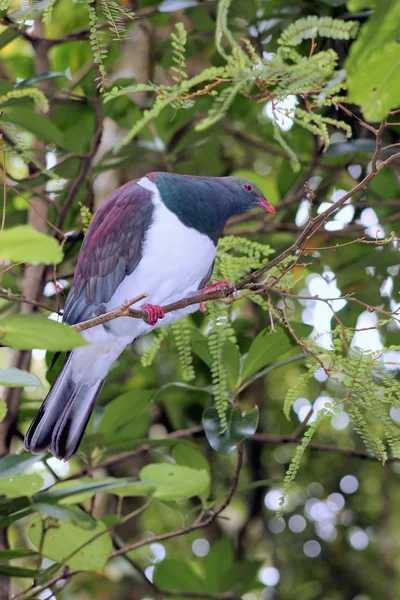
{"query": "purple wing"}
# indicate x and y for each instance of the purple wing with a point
(111, 250)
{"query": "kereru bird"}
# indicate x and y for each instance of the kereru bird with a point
(157, 235)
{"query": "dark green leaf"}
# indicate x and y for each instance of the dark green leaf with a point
(231, 362)
(217, 564)
(174, 574)
(200, 346)
(37, 79)
(41, 127)
(11, 571)
(7, 36)
(6, 555)
(240, 427)
(269, 346)
(123, 410)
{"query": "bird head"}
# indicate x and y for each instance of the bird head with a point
(246, 195)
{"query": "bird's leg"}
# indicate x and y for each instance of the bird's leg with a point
(153, 312)
(219, 285)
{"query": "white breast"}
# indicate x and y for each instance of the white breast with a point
(175, 260)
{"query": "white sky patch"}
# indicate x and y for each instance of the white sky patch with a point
(282, 112)
(369, 219)
(158, 552)
(276, 525)
(201, 547)
(355, 171)
(173, 5)
(297, 523)
(50, 288)
(51, 160)
(395, 414)
(60, 467)
(335, 502)
(340, 421)
(391, 358)
(38, 354)
(349, 484)
(318, 314)
(343, 216)
(271, 499)
(387, 287)
(326, 531)
(369, 339)
(312, 548)
(269, 576)
(303, 213)
(358, 539)
(149, 573)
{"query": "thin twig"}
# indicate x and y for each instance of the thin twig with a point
(3, 159)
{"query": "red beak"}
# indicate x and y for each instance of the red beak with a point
(267, 206)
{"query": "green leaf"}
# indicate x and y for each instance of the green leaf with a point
(231, 362)
(75, 492)
(240, 427)
(200, 347)
(174, 482)
(374, 61)
(217, 564)
(9, 520)
(17, 378)
(174, 574)
(269, 346)
(186, 456)
(11, 571)
(26, 332)
(167, 387)
(67, 538)
(132, 489)
(80, 490)
(7, 36)
(41, 127)
(6, 555)
(65, 513)
(11, 464)
(123, 410)
(24, 244)
(23, 484)
(37, 79)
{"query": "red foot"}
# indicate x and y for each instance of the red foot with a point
(211, 288)
(154, 312)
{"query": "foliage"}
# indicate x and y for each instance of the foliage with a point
(287, 72)
(285, 388)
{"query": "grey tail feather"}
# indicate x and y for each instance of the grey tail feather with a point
(61, 421)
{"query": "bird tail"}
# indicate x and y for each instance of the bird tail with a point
(61, 421)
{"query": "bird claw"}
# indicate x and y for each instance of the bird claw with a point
(219, 285)
(153, 312)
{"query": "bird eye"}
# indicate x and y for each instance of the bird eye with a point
(247, 187)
